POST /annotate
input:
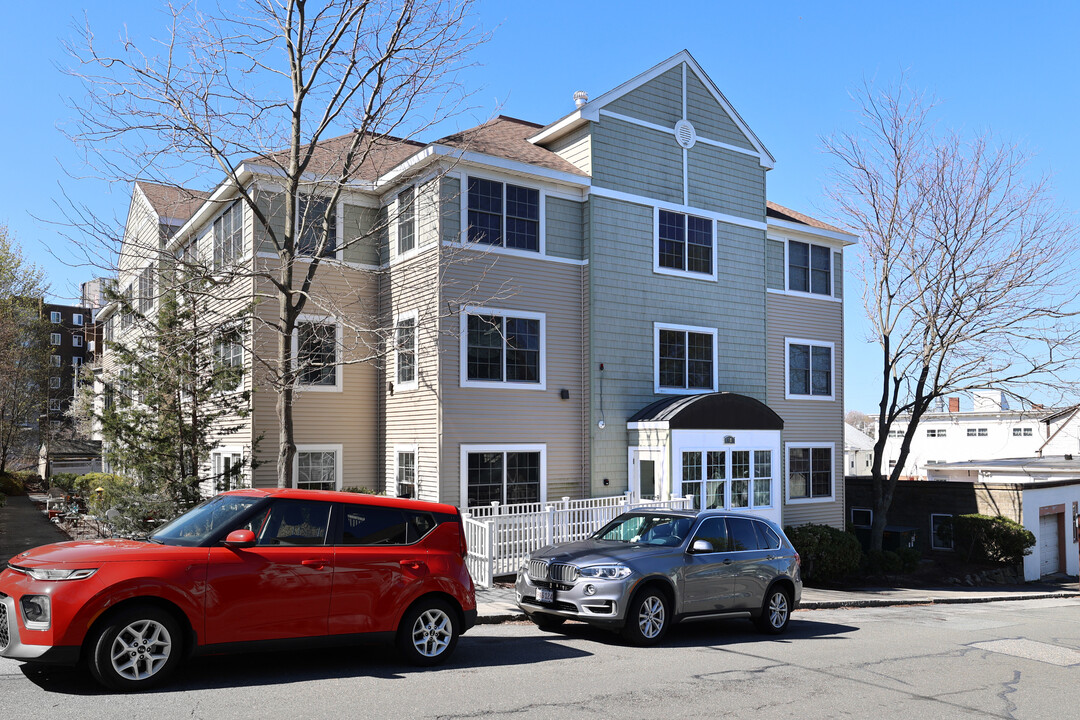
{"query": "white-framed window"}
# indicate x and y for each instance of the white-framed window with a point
(76, 340)
(311, 210)
(727, 479)
(54, 405)
(507, 474)
(503, 348)
(684, 358)
(685, 244)
(504, 215)
(146, 289)
(1021, 432)
(810, 472)
(55, 338)
(977, 432)
(77, 319)
(54, 316)
(935, 432)
(54, 382)
(110, 329)
(54, 360)
(227, 468)
(316, 342)
(229, 358)
(862, 517)
(405, 471)
(941, 531)
(896, 432)
(809, 369)
(406, 221)
(318, 467)
(90, 346)
(892, 464)
(809, 268)
(229, 237)
(76, 362)
(405, 336)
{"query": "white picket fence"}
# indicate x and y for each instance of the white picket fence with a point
(499, 536)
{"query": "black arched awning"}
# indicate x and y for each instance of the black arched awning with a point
(712, 411)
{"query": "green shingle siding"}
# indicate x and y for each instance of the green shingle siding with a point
(658, 101)
(564, 221)
(726, 181)
(653, 169)
(450, 193)
(709, 118)
(838, 274)
(774, 265)
(359, 235)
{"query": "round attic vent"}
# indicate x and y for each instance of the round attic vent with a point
(685, 134)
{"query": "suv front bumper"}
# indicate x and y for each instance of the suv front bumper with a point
(605, 606)
(12, 647)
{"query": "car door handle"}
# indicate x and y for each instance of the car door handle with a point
(728, 561)
(317, 563)
(413, 565)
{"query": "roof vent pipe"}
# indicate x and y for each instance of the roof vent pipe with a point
(580, 98)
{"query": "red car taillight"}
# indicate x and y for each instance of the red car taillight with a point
(464, 545)
(798, 561)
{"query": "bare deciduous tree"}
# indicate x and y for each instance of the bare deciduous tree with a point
(268, 88)
(968, 263)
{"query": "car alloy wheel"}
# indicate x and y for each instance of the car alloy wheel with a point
(428, 632)
(136, 648)
(651, 617)
(647, 617)
(141, 649)
(775, 612)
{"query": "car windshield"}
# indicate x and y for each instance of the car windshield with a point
(646, 528)
(196, 525)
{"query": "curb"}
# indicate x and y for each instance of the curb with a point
(889, 602)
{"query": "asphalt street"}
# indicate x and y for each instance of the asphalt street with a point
(1004, 659)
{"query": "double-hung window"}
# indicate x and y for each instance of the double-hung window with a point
(77, 319)
(809, 369)
(227, 468)
(146, 289)
(405, 351)
(512, 221)
(311, 211)
(229, 359)
(405, 475)
(54, 316)
(54, 360)
(810, 472)
(502, 347)
(809, 268)
(229, 237)
(316, 354)
(684, 243)
(318, 467)
(55, 338)
(685, 358)
(406, 221)
(76, 340)
(508, 474)
(736, 479)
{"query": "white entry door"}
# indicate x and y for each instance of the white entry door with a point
(647, 473)
(1048, 545)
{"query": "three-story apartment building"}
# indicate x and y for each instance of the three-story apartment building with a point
(518, 312)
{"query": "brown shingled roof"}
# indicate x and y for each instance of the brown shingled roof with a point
(780, 212)
(508, 137)
(380, 156)
(172, 202)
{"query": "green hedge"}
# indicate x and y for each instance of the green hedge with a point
(827, 553)
(11, 484)
(995, 539)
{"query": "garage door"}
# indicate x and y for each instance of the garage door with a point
(1048, 544)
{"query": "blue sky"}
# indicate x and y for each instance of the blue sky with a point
(787, 67)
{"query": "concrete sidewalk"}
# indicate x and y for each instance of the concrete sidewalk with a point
(497, 604)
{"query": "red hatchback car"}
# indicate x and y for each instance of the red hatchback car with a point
(244, 570)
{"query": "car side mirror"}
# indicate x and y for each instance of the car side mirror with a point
(701, 546)
(240, 539)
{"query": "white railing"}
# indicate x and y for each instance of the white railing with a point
(500, 536)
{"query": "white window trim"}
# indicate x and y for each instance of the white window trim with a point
(241, 328)
(339, 368)
(55, 316)
(787, 270)
(54, 382)
(56, 339)
(392, 236)
(788, 447)
(415, 382)
(55, 405)
(339, 221)
(77, 319)
(657, 268)
(677, 477)
(467, 449)
(933, 537)
(860, 509)
(335, 448)
(657, 327)
(226, 450)
(76, 361)
(76, 341)
(467, 310)
(505, 180)
(392, 482)
(55, 361)
(788, 342)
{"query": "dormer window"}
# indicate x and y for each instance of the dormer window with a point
(514, 223)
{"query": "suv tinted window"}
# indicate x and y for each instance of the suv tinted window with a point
(295, 522)
(714, 530)
(370, 525)
(742, 534)
(767, 537)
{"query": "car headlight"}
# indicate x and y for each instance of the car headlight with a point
(605, 572)
(36, 611)
(59, 574)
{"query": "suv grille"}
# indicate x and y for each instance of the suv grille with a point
(555, 572)
(4, 638)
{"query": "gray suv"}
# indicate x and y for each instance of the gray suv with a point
(647, 569)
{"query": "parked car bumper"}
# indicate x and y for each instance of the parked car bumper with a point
(11, 645)
(606, 605)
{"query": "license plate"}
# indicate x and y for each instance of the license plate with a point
(545, 595)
